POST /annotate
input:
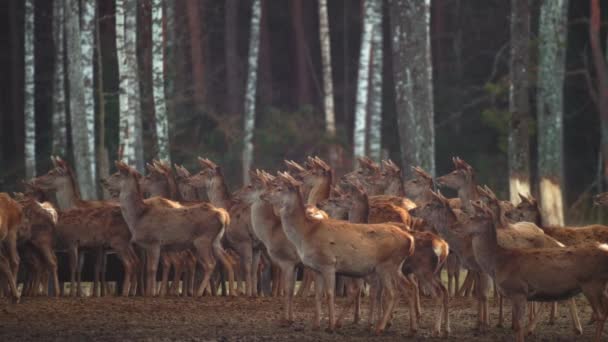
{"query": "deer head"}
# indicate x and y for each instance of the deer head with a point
(526, 211)
(284, 191)
(419, 185)
(259, 183)
(210, 173)
(600, 199)
(59, 177)
(482, 219)
(461, 177)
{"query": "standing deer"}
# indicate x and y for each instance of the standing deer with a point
(10, 219)
(239, 234)
(524, 274)
(156, 227)
(330, 247)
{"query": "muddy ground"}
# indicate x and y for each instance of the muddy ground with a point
(235, 319)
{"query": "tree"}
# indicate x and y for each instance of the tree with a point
(250, 96)
(519, 105)
(600, 93)
(328, 88)
(413, 70)
(550, 108)
(160, 108)
(302, 88)
(375, 92)
(59, 111)
(80, 133)
(233, 78)
(29, 92)
(360, 129)
(196, 50)
(132, 72)
(87, 44)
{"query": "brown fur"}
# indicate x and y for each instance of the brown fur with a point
(10, 220)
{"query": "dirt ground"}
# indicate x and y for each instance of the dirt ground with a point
(236, 319)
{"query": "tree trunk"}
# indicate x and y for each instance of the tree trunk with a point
(328, 85)
(80, 134)
(196, 50)
(266, 91)
(601, 92)
(410, 30)
(87, 44)
(233, 79)
(360, 129)
(125, 135)
(250, 96)
(302, 88)
(103, 159)
(132, 72)
(375, 92)
(29, 92)
(519, 105)
(59, 114)
(170, 70)
(550, 108)
(160, 109)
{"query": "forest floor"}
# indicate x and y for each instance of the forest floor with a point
(239, 319)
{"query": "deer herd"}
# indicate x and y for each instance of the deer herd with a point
(367, 233)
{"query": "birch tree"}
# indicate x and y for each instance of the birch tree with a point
(375, 92)
(252, 74)
(413, 70)
(132, 72)
(87, 44)
(360, 129)
(160, 108)
(29, 91)
(328, 86)
(519, 105)
(59, 113)
(80, 133)
(125, 135)
(550, 109)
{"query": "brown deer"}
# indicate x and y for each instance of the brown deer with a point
(10, 220)
(425, 264)
(39, 220)
(239, 234)
(522, 235)
(61, 181)
(599, 199)
(267, 227)
(328, 246)
(524, 274)
(155, 227)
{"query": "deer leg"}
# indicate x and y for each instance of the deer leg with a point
(501, 317)
(534, 321)
(165, 258)
(276, 274)
(307, 278)
(153, 255)
(257, 254)
(578, 329)
(445, 301)
(288, 272)
(519, 313)
(96, 272)
(553, 313)
(51, 262)
(220, 253)
(104, 267)
(178, 267)
(206, 257)
(129, 265)
(79, 268)
(319, 283)
(5, 270)
(412, 279)
(407, 288)
(73, 261)
(13, 253)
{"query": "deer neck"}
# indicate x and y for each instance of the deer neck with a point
(423, 198)
(67, 197)
(467, 194)
(263, 219)
(359, 211)
(131, 204)
(295, 223)
(395, 188)
(319, 192)
(218, 194)
(444, 223)
(486, 248)
(174, 192)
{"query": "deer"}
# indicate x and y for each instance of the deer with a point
(10, 220)
(156, 228)
(239, 234)
(38, 222)
(332, 246)
(429, 256)
(267, 227)
(524, 274)
(61, 181)
(534, 238)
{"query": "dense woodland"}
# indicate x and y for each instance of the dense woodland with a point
(418, 82)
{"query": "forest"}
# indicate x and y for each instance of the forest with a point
(215, 80)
